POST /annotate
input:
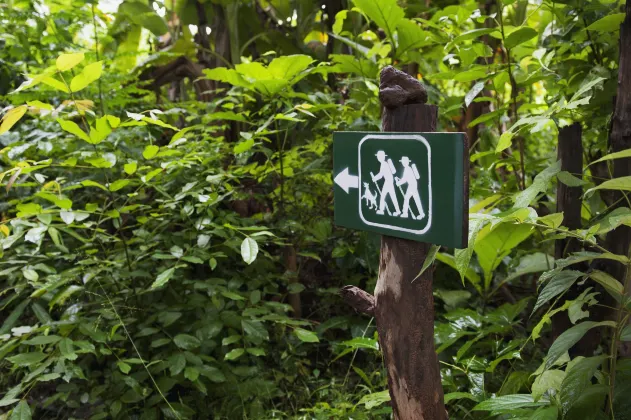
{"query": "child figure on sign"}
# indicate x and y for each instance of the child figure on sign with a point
(410, 177)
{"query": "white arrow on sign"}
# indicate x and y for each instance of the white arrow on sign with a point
(346, 180)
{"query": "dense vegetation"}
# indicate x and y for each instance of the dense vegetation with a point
(167, 246)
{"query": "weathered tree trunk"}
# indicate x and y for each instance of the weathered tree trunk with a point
(570, 152)
(404, 306)
(620, 139)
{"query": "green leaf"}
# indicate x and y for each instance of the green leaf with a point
(375, 399)
(249, 250)
(21, 412)
(90, 183)
(625, 334)
(362, 343)
(410, 36)
(243, 146)
(163, 278)
(66, 347)
(345, 63)
(42, 340)
(519, 36)
(540, 184)
(234, 354)
(578, 379)
(255, 330)
(67, 61)
(141, 14)
(13, 317)
(27, 359)
(150, 151)
(130, 168)
(505, 141)
(569, 179)
(611, 285)
(549, 379)
(472, 34)
(186, 341)
(559, 283)
(306, 336)
(609, 23)
(545, 413)
(73, 128)
(225, 75)
(89, 74)
(119, 184)
(124, 367)
(508, 403)
(287, 67)
(492, 245)
(429, 260)
(11, 117)
(339, 21)
(462, 257)
(616, 155)
(570, 337)
(621, 184)
(191, 373)
(385, 13)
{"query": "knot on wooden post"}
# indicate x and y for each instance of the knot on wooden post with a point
(359, 299)
(398, 88)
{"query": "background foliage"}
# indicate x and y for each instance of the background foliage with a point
(167, 241)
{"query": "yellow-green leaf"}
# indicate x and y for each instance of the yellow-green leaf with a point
(622, 184)
(130, 168)
(505, 141)
(150, 151)
(73, 128)
(40, 105)
(89, 74)
(11, 117)
(608, 23)
(55, 84)
(68, 61)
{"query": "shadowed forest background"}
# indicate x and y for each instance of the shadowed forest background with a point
(166, 238)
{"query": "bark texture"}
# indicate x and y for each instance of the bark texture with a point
(620, 139)
(404, 309)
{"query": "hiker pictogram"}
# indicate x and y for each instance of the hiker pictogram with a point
(386, 172)
(410, 177)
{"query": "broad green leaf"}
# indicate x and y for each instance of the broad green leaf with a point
(186, 341)
(491, 246)
(620, 184)
(163, 278)
(255, 330)
(306, 336)
(72, 128)
(609, 23)
(625, 334)
(89, 74)
(141, 14)
(611, 285)
(410, 36)
(11, 117)
(508, 403)
(119, 184)
(339, 21)
(540, 184)
(225, 75)
(617, 155)
(385, 13)
(583, 256)
(130, 168)
(287, 67)
(124, 367)
(570, 337)
(21, 412)
(375, 399)
(452, 396)
(56, 84)
(243, 146)
(13, 317)
(505, 141)
(191, 373)
(577, 380)
(519, 36)
(472, 74)
(349, 64)
(234, 354)
(67, 61)
(549, 379)
(559, 283)
(429, 260)
(570, 180)
(249, 250)
(42, 340)
(545, 413)
(362, 343)
(40, 105)
(90, 183)
(150, 151)
(472, 34)
(66, 347)
(27, 359)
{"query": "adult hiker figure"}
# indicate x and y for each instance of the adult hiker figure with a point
(386, 171)
(410, 177)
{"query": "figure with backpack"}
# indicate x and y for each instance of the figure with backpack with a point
(410, 177)
(386, 171)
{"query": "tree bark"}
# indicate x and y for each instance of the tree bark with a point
(570, 152)
(404, 307)
(620, 139)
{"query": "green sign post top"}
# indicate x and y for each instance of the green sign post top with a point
(409, 185)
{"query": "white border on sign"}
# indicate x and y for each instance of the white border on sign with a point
(414, 137)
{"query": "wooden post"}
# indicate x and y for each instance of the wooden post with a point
(403, 305)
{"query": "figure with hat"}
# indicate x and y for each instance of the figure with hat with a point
(386, 171)
(410, 177)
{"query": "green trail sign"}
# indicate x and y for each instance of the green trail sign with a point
(410, 185)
